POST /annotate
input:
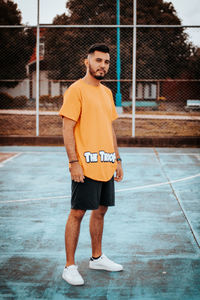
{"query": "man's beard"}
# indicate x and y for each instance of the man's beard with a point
(92, 72)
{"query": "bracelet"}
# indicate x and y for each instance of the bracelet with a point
(118, 159)
(73, 161)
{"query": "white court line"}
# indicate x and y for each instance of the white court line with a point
(10, 158)
(159, 184)
(117, 191)
(34, 199)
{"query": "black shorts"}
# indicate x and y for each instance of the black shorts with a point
(92, 193)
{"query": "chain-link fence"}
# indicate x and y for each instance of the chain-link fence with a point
(166, 99)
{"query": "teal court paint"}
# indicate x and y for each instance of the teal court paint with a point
(154, 229)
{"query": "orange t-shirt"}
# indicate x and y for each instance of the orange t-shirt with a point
(93, 109)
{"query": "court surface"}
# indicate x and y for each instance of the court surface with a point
(154, 229)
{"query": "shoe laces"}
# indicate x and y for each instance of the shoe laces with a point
(73, 269)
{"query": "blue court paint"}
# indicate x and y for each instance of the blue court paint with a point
(147, 231)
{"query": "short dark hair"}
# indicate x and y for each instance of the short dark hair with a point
(99, 47)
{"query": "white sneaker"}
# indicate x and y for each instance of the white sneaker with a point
(72, 275)
(104, 263)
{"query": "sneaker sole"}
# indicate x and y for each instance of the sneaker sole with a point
(103, 268)
(72, 283)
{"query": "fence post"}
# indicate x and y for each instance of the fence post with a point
(118, 94)
(38, 68)
(134, 68)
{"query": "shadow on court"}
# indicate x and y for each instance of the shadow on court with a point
(154, 229)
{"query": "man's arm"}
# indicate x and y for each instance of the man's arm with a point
(70, 145)
(119, 170)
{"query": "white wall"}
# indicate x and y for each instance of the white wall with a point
(43, 83)
(44, 89)
(145, 90)
(22, 89)
(139, 93)
(55, 88)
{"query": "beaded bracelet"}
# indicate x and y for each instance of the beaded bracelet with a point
(118, 159)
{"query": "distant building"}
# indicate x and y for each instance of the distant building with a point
(27, 87)
(145, 90)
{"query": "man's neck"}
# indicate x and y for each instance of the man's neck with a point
(91, 80)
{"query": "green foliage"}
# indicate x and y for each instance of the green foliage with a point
(195, 63)
(6, 101)
(16, 45)
(156, 12)
(45, 99)
(57, 99)
(19, 102)
(49, 102)
(161, 52)
(9, 14)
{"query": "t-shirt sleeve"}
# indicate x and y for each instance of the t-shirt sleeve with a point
(114, 114)
(71, 107)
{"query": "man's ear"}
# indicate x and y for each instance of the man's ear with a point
(86, 62)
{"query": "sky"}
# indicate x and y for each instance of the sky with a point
(188, 11)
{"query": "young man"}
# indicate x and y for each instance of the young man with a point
(88, 111)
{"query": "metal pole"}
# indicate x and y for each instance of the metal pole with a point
(38, 68)
(134, 68)
(118, 94)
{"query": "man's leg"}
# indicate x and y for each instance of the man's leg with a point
(96, 232)
(96, 229)
(72, 231)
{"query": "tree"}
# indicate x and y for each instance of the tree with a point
(16, 45)
(161, 52)
(194, 64)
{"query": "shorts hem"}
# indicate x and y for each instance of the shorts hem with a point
(92, 208)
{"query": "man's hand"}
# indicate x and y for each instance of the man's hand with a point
(76, 172)
(119, 172)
